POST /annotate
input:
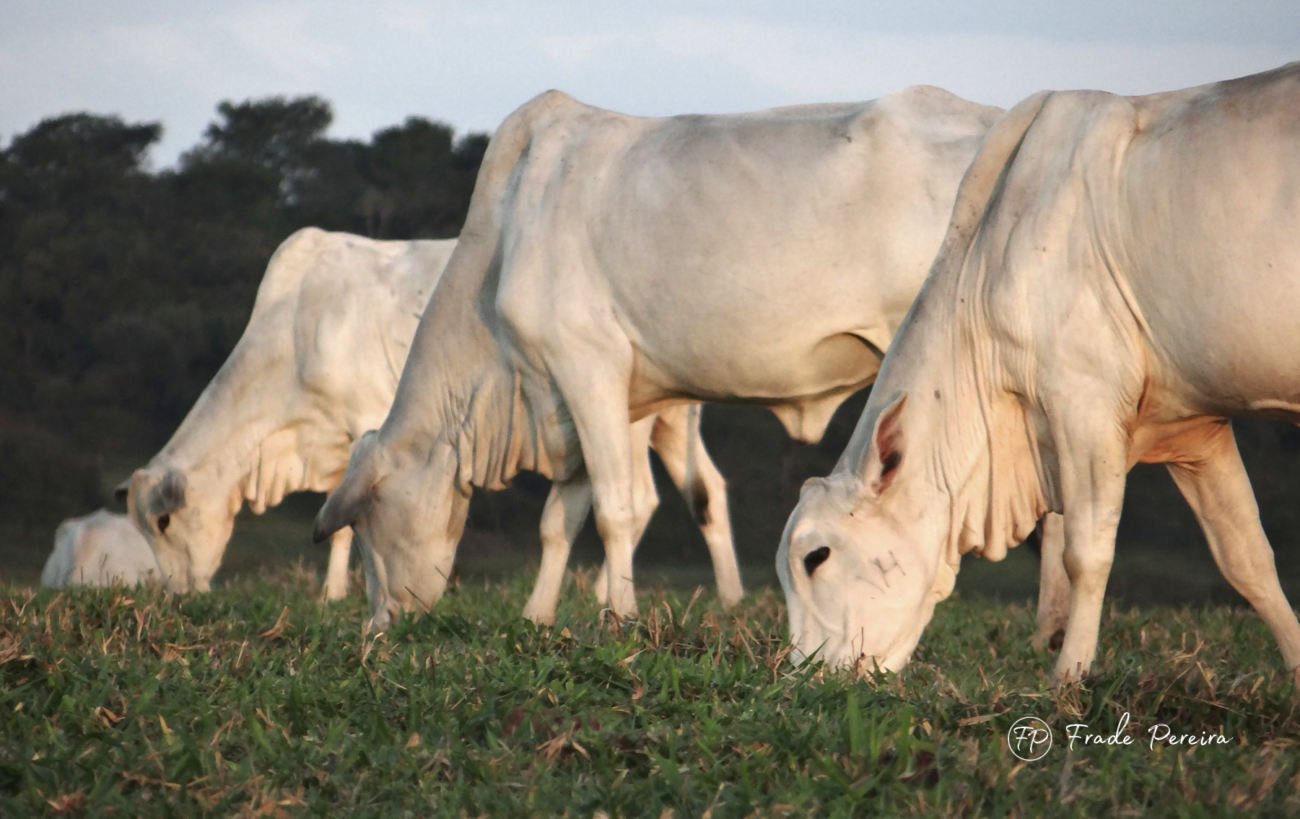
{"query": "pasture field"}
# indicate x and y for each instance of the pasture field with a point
(255, 700)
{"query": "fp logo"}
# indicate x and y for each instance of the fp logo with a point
(1029, 739)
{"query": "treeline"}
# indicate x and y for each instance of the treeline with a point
(123, 289)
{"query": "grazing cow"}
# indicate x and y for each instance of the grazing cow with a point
(612, 266)
(1119, 278)
(99, 549)
(316, 367)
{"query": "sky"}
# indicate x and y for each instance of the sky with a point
(469, 64)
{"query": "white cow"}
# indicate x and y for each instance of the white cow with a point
(612, 266)
(317, 366)
(99, 549)
(1121, 275)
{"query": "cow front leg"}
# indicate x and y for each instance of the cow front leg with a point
(1053, 582)
(336, 575)
(645, 498)
(566, 509)
(1215, 484)
(676, 438)
(595, 391)
(616, 523)
(1093, 464)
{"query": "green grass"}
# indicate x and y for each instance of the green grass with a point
(255, 700)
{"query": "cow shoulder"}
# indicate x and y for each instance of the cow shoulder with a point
(543, 282)
(292, 260)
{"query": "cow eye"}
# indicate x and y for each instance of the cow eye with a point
(815, 558)
(163, 522)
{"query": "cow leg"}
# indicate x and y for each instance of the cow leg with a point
(1053, 582)
(1093, 466)
(336, 576)
(1217, 488)
(562, 518)
(677, 439)
(595, 390)
(645, 498)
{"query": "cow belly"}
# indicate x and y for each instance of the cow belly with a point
(755, 374)
(1243, 357)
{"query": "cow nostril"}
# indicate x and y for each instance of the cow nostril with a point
(163, 522)
(815, 558)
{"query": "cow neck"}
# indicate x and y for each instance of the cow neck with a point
(990, 461)
(221, 436)
(501, 435)
(967, 444)
(460, 389)
(293, 459)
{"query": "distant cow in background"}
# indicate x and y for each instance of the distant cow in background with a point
(316, 367)
(99, 549)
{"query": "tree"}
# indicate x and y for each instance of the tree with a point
(334, 194)
(275, 135)
(75, 203)
(420, 180)
(80, 142)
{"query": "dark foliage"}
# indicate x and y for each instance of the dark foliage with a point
(122, 290)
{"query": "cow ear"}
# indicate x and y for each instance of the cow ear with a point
(887, 443)
(169, 495)
(348, 502)
(352, 497)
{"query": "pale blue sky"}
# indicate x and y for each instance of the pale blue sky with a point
(471, 63)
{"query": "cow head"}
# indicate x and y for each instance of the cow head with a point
(187, 526)
(407, 509)
(858, 560)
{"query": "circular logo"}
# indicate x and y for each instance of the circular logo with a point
(1029, 739)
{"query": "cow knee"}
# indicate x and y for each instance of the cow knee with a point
(552, 531)
(1087, 570)
(615, 521)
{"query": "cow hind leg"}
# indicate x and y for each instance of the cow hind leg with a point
(677, 439)
(566, 509)
(1217, 488)
(1053, 583)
